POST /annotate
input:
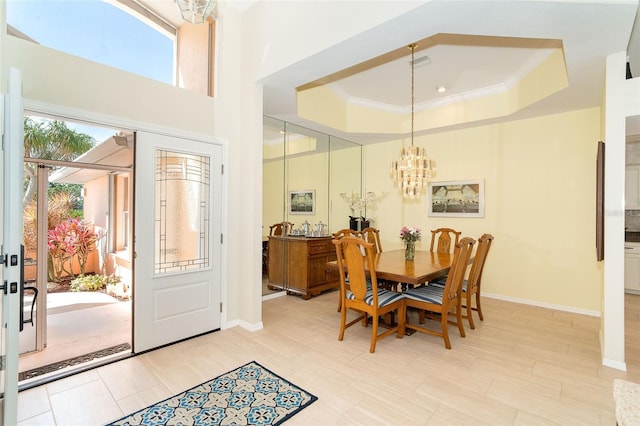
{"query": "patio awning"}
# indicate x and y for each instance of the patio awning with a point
(115, 151)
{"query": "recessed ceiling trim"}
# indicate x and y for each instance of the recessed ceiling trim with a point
(466, 96)
(467, 40)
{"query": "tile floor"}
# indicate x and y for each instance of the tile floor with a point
(523, 365)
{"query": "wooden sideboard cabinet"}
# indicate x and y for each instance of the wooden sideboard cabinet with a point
(298, 265)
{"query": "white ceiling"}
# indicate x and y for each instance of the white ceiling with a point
(588, 30)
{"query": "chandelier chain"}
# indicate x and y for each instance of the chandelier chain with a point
(413, 49)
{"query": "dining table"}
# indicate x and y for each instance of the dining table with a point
(398, 273)
(391, 266)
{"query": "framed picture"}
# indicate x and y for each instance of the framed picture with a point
(458, 198)
(302, 202)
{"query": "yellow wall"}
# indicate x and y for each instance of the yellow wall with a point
(539, 177)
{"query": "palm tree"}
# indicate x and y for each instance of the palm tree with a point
(50, 140)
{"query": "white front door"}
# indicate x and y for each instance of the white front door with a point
(177, 239)
(11, 238)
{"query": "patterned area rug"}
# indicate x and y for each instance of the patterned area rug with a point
(248, 395)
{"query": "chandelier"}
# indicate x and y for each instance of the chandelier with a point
(195, 11)
(413, 170)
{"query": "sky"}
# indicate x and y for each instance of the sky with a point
(97, 31)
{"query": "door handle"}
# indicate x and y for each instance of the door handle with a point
(21, 285)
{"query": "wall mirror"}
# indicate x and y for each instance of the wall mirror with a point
(304, 173)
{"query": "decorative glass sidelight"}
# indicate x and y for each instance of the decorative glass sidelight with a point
(182, 213)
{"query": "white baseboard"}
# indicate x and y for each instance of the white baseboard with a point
(274, 295)
(543, 305)
(246, 325)
(614, 364)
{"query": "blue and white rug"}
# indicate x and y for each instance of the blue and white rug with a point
(248, 395)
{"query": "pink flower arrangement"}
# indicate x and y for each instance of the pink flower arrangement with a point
(410, 235)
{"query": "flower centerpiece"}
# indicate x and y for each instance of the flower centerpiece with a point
(358, 203)
(410, 236)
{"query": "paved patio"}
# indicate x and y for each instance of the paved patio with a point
(78, 323)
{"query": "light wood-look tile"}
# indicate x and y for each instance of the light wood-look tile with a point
(523, 365)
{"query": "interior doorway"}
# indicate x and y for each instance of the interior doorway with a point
(77, 226)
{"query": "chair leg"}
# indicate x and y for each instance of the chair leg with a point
(470, 314)
(402, 318)
(478, 308)
(343, 323)
(445, 330)
(459, 320)
(340, 303)
(374, 333)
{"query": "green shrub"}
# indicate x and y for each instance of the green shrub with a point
(93, 282)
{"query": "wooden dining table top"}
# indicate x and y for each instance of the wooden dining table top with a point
(391, 265)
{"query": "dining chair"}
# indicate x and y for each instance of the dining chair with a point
(372, 235)
(367, 302)
(439, 300)
(441, 239)
(471, 286)
(347, 232)
(282, 228)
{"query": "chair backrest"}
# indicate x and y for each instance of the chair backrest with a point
(441, 238)
(461, 254)
(280, 228)
(347, 232)
(475, 275)
(350, 260)
(372, 235)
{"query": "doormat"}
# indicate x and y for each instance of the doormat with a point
(248, 395)
(50, 368)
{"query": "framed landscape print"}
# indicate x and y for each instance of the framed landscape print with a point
(460, 198)
(302, 202)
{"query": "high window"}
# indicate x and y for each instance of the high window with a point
(98, 31)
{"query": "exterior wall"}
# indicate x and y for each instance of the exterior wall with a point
(194, 55)
(95, 208)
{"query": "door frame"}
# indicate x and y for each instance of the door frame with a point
(42, 211)
(12, 271)
(77, 115)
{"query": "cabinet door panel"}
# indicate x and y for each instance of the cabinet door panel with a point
(632, 188)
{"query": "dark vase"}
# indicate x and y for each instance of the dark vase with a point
(358, 223)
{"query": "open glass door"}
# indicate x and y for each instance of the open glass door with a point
(76, 236)
(11, 242)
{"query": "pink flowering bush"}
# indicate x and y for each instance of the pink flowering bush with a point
(72, 238)
(59, 250)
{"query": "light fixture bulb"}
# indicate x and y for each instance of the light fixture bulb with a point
(195, 11)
